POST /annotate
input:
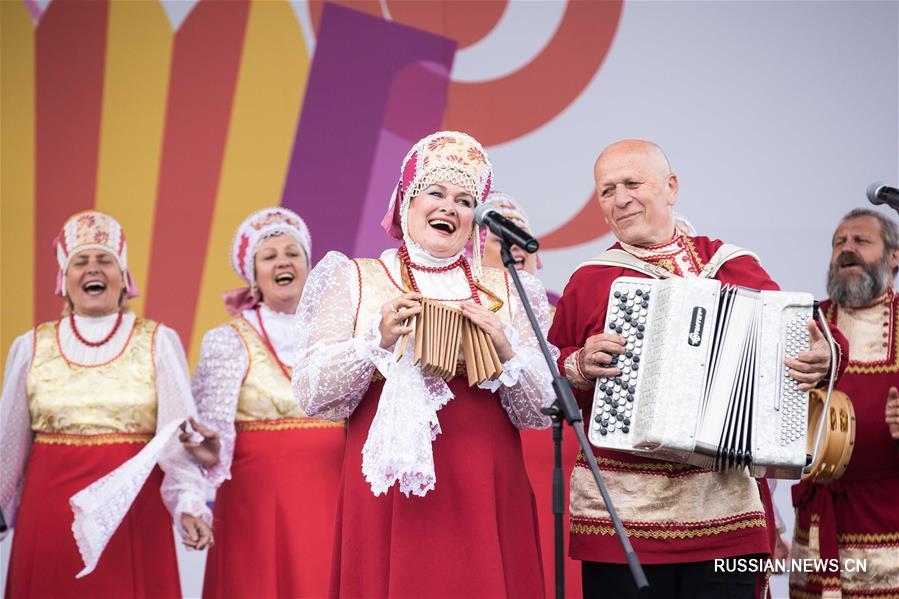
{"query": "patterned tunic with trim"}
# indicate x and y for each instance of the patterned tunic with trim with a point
(673, 513)
(856, 517)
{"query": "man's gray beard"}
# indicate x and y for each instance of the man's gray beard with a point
(859, 290)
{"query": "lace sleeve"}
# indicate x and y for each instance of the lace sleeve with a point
(526, 383)
(15, 425)
(216, 387)
(333, 368)
(183, 487)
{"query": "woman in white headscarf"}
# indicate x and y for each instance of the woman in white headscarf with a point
(91, 404)
(279, 470)
(469, 527)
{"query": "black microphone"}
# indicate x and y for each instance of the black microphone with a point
(487, 216)
(878, 193)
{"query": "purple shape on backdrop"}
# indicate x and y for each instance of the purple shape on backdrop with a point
(427, 83)
(344, 164)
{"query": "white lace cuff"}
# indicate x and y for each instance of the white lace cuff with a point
(368, 347)
(193, 505)
(513, 368)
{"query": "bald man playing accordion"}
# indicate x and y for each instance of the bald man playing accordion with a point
(680, 518)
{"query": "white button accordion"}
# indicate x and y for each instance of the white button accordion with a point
(703, 379)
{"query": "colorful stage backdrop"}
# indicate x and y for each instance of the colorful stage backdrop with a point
(181, 117)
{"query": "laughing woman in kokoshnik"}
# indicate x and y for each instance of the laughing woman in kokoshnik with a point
(279, 471)
(97, 396)
(435, 501)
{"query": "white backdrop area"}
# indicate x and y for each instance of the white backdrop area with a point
(775, 116)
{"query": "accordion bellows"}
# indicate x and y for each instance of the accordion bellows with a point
(703, 378)
(440, 330)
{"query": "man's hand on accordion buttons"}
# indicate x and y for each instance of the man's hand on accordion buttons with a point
(490, 324)
(810, 367)
(892, 412)
(598, 354)
(394, 316)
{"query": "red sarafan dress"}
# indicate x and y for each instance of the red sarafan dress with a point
(857, 517)
(462, 521)
(279, 472)
(74, 413)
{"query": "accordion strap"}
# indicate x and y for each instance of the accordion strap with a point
(727, 251)
(621, 258)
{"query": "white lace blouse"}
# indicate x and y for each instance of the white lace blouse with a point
(220, 374)
(333, 368)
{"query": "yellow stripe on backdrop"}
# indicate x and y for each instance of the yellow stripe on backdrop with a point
(270, 86)
(135, 88)
(17, 173)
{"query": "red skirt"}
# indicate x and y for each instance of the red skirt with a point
(140, 559)
(274, 520)
(474, 535)
(538, 458)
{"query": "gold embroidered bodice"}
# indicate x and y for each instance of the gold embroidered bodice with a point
(118, 396)
(377, 287)
(266, 393)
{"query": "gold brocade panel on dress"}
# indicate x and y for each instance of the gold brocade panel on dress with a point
(118, 396)
(266, 393)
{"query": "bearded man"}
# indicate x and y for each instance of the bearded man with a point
(857, 517)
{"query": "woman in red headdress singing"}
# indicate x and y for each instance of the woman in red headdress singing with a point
(435, 500)
(279, 471)
(91, 404)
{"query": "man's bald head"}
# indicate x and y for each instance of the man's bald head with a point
(653, 154)
(636, 191)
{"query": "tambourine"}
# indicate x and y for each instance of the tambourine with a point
(837, 439)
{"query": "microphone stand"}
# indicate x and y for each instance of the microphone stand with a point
(566, 407)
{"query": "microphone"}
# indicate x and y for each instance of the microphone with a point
(487, 216)
(878, 193)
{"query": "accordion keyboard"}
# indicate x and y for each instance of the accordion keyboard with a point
(628, 314)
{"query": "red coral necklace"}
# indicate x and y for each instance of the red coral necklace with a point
(409, 265)
(102, 341)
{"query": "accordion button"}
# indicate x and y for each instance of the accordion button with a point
(603, 431)
(617, 294)
(639, 292)
(597, 418)
(627, 421)
(624, 429)
(631, 389)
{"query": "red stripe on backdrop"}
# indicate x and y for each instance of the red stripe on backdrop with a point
(585, 226)
(69, 63)
(205, 62)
